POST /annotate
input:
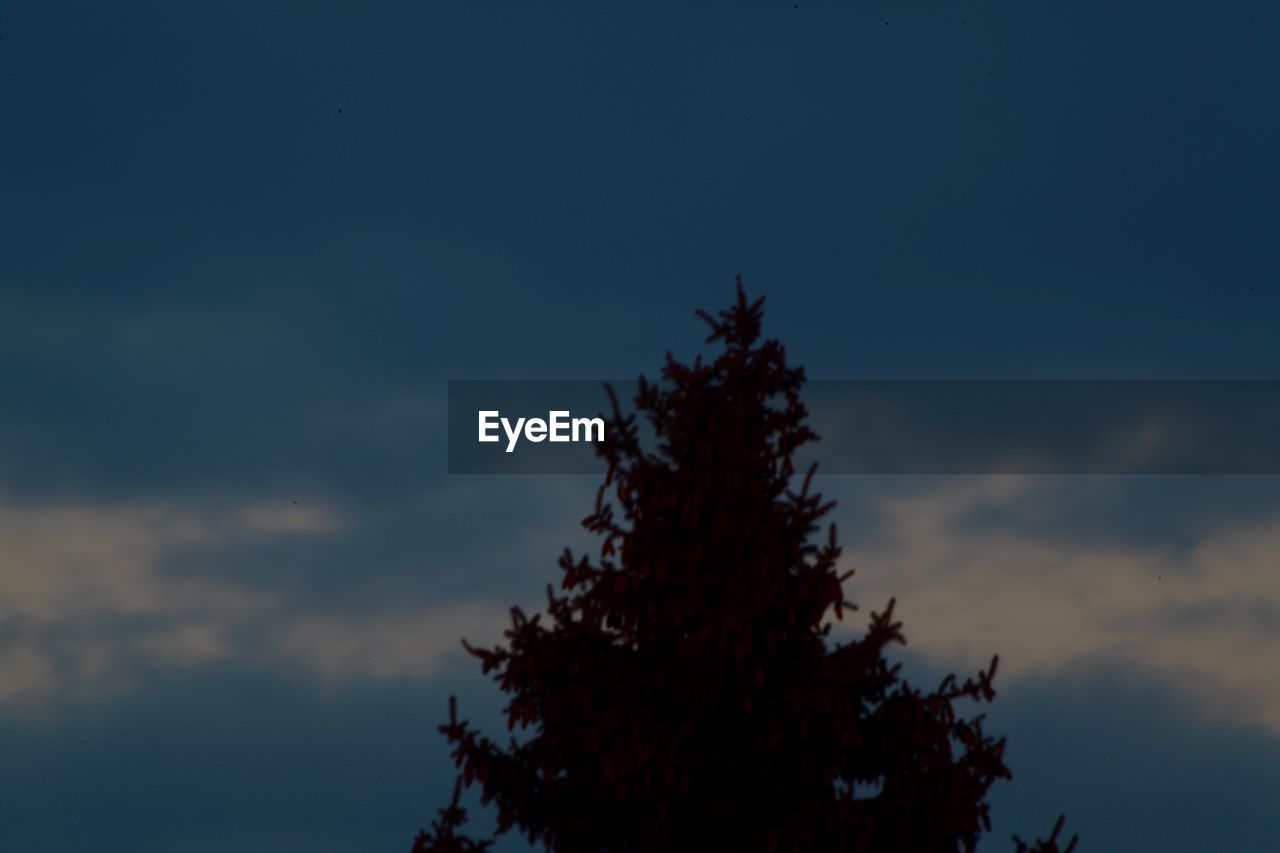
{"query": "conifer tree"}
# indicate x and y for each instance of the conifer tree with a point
(682, 690)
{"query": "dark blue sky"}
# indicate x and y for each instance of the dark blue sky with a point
(245, 245)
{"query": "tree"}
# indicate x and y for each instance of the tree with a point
(683, 690)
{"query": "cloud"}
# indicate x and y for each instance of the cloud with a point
(271, 519)
(1202, 616)
(88, 608)
(400, 643)
(95, 599)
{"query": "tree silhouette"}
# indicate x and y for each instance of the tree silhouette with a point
(683, 690)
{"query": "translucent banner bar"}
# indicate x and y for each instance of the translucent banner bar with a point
(914, 426)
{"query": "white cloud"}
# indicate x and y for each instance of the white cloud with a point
(1204, 618)
(86, 605)
(393, 644)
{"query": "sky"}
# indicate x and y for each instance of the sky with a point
(245, 246)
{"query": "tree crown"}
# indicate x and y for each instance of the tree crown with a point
(684, 688)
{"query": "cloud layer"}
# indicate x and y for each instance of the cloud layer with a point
(90, 602)
(1201, 615)
(95, 597)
